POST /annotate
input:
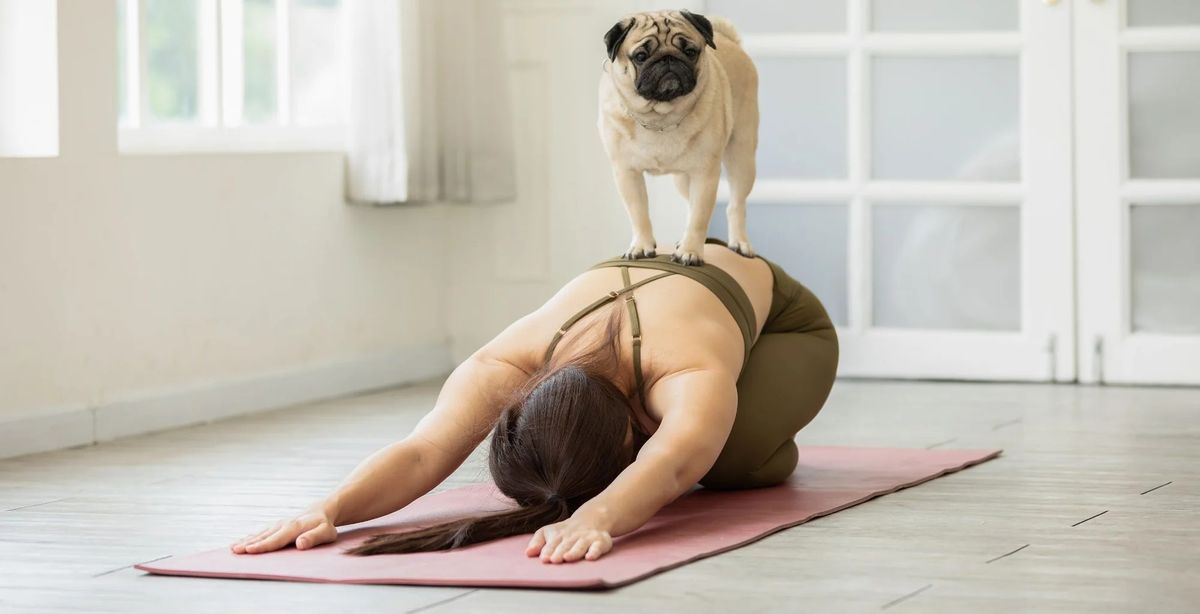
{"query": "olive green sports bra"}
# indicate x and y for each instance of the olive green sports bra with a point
(716, 280)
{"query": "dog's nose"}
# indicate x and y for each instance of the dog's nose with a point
(668, 86)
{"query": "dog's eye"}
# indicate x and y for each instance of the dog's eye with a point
(691, 52)
(639, 57)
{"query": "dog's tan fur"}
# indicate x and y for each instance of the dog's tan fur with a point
(689, 136)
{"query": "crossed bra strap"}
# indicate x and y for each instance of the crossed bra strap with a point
(634, 324)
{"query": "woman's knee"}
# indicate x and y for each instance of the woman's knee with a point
(736, 472)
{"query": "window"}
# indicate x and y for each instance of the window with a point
(230, 75)
(28, 78)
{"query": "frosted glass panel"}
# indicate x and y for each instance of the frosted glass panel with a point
(802, 110)
(1164, 12)
(941, 15)
(946, 266)
(945, 118)
(122, 62)
(808, 241)
(317, 48)
(1164, 116)
(259, 50)
(172, 59)
(782, 15)
(1165, 268)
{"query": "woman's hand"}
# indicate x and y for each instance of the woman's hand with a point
(307, 530)
(570, 540)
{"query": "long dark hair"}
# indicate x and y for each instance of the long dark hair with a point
(558, 443)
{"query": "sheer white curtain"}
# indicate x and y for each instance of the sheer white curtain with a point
(429, 102)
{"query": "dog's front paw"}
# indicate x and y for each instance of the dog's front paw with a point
(742, 247)
(640, 249)
(687, 257)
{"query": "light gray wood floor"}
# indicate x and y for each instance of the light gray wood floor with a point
(1093, 507)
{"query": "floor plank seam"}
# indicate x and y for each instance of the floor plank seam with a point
(442, 602)
(941, 443)
(1157, 487)
(1006, 554)
(996, 427)
(129, 566)
(906, 597)
(24, 507)
(1090, 518)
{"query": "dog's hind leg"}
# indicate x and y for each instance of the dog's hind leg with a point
(631, 184)
(740, 169)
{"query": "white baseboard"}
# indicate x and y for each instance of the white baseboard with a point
(47, 430)
(161, 410)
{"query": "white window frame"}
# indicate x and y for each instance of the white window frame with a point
(217, 128)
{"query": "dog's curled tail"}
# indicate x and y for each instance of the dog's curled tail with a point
(725, 28)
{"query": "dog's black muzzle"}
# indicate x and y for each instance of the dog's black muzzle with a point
(665, 79)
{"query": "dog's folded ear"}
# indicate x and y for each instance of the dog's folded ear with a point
(616, 35)
(701, 23)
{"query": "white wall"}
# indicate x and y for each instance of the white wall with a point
(123, 276)
(510, 258)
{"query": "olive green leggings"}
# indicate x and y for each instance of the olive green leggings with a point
(782, 386)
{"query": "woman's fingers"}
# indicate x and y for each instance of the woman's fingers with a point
(595, 551)
(562, 548)
(240, 545)
(548, 549)
(598, 549)
(536, 542)
(261, 534)
(276, 540)
(308, 530)
(577, 551)
(321, 534)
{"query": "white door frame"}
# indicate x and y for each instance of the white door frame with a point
(1109, 350)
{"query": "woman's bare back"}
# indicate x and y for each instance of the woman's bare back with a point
(684, 325)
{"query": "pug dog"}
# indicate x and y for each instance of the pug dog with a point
(678, 95)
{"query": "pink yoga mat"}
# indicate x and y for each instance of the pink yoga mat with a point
(700, 524)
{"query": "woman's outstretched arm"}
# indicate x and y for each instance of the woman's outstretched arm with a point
(701, 405)
(396, 475)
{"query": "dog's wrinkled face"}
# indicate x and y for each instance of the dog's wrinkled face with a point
(658, 54)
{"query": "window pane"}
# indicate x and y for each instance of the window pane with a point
(1165, 268)
(802, 107)
(946, 266)
(172, 59)
(945, 118)
(755, 16)
(318, 88)
(122, 33)
(1164, 120)
(1164, 12)
(808, 240)
(259, 61)
(942, 15)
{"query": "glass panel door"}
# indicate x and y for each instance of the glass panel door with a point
(1138, 185)
(914, 171)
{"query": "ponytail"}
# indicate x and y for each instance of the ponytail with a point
(467, 531)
